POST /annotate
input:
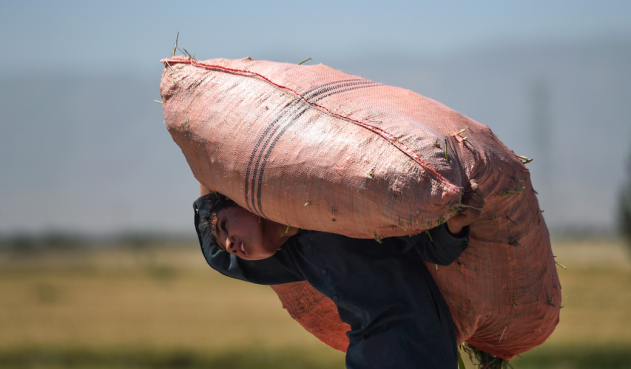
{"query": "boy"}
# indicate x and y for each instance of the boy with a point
(397, 315)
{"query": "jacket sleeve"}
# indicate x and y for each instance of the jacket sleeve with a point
(437, 245)
(278, 269)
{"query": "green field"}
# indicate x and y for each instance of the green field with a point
(164, 308)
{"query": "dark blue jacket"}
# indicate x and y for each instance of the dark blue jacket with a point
(397, 315)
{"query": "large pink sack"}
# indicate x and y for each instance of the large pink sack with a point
(315, 148)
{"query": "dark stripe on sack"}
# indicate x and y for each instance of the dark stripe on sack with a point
(318, 90)
(252, 204)
(265, 133)
(332, 83)
(259, 180)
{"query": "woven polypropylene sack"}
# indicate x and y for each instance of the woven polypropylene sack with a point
(319, 149)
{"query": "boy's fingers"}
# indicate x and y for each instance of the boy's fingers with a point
(473, 214)
(479, 193)
(471, 210)
(472, 197)
(475, 188)
(474, 201)
(466, 217)
(474, 185)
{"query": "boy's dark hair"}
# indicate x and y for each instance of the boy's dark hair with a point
(213, 203)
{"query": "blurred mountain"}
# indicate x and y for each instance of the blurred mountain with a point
(90, 152)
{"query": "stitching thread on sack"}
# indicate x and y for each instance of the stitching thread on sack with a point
(451, 188)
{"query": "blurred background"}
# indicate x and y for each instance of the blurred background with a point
(98, 262)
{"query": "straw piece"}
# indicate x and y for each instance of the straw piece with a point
(503, 333)
(446, 153)
(304, 61)
(559, 264)
(512, 221)
(175, 45)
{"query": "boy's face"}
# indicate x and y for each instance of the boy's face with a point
(244, 234)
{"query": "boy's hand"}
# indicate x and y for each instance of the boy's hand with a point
(473, 202)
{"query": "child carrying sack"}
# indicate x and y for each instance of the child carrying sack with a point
(315, 148)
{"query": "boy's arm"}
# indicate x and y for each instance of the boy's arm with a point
(438, 245)
(472, 203)
(444, 244)
(278, 269)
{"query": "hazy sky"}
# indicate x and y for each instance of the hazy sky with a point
(106, 35)
(82, 141)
